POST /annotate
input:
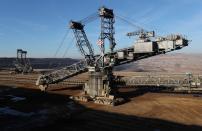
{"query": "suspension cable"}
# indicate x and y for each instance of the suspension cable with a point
(129, 22)
(66, 50)
(61, 43)
(132, 24)
(89, 18)
(68, 47)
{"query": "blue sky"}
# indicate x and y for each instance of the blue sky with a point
(38, 26)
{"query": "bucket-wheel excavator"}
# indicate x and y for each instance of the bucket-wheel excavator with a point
(22, 63)
(101, 86)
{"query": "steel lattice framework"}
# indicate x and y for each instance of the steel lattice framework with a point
(22, 64)
(82, 41)
(101, 86)
(107, 28)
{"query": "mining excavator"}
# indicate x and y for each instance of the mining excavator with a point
(101, 86)
(22, 63)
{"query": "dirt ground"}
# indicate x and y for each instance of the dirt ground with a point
(23, 107)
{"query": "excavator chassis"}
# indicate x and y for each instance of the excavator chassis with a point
(100, 89)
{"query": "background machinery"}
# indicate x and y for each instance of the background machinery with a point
(101, 86)
(22, 64)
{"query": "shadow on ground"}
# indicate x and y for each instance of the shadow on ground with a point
(132, 92)
(26, 109)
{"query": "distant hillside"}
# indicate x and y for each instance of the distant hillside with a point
(40, 63)
(174, 62)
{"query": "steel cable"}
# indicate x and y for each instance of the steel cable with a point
(129, 22)
(132, 24)
(61, 43)
(66, 50)
(89, 18)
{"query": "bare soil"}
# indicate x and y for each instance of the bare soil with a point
(23, 107)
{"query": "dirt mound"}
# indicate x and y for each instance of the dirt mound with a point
(175, 62)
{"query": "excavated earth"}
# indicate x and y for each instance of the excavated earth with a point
(24, 107)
